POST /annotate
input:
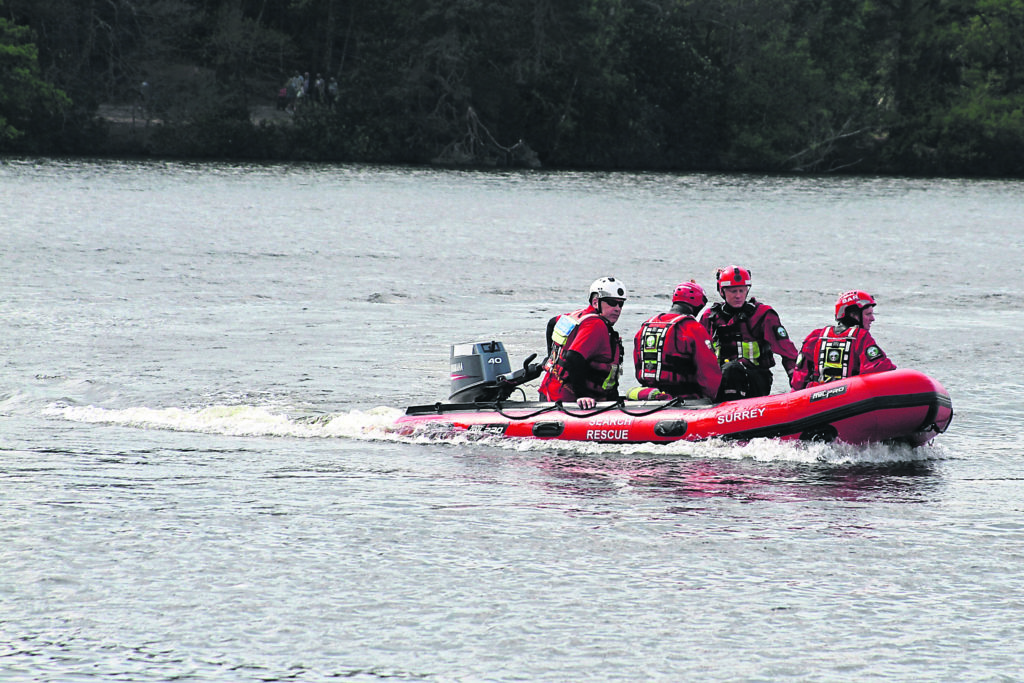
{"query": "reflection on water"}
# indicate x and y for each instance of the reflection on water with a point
(587, 476)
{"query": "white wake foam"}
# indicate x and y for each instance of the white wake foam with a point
(240, 420)
(377, 424)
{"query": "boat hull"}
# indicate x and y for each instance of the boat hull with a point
(897, 406)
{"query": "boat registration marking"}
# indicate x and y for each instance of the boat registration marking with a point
(738, 415)
(498, 429)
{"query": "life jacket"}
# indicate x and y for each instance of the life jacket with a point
(602, 379)
(739, 335)
(834, 353)
(560, 332)
(653, 368)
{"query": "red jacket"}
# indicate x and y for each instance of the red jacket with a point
(835, 352)
(588, 364)
(672, 352)
(753, 331)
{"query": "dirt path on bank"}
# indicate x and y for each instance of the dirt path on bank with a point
(135, 116)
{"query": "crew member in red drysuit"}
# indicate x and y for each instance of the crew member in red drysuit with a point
(746, 335)
(585, 353)
(672, 352)
(844, 349)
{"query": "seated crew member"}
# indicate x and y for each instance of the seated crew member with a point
(672, 352)
(844, 349)
(746, 335)
(585, 354)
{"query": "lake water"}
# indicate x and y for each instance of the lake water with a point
(201, 361)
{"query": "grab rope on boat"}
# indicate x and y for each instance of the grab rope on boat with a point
(546, 409)
(558, 406)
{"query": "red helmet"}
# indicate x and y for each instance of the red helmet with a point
(732, 276)
(690, 293)
(856, 299)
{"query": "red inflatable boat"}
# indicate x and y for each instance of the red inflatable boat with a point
(897, 406)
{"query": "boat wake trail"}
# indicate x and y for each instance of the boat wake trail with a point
(377, 424)
(240, 420)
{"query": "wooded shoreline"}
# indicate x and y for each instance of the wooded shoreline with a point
(902, 87)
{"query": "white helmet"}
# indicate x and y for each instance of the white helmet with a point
(607, 288)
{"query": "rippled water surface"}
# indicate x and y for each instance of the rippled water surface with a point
(201, 362)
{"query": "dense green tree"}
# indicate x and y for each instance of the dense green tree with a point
(27, 102)
(794, 93)
(982, 129)
(678, 92)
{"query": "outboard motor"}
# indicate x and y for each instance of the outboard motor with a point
(481, 373)
(475, 369)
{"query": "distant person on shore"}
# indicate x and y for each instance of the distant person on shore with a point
(844, 349)
(320, 88)
(292, 87)
(584, 350)
(332, 92)
(672, 352)
(746, 335)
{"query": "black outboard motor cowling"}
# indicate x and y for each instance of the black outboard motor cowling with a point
(475, 372)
